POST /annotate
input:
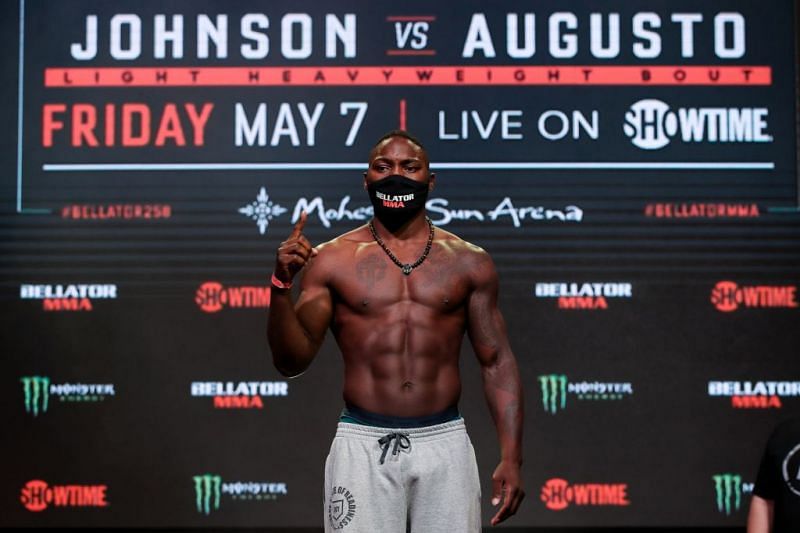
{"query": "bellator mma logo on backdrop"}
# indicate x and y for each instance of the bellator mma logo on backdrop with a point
(239, 395)
(78, 297)
(755, 394)
(588, 296)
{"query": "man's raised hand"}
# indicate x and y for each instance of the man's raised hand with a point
(294, 252)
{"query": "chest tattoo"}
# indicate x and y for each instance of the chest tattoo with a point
(371, 270)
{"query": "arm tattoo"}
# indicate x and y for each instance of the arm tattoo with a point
(508, 385)
(485, 331)
(511, 413)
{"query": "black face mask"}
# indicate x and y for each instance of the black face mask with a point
(396, 199)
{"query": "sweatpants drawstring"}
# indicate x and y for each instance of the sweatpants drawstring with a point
(400, 441)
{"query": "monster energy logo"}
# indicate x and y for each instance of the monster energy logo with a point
(729, 492)
(554, 392)
(37, 393)
(204, 487)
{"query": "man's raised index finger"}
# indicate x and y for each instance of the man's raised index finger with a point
(298, 227)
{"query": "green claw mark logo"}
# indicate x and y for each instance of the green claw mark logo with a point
(37, 393)
(554, 392)
(729, 492)
(204, 487)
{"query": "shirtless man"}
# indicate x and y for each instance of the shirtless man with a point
(398, 295)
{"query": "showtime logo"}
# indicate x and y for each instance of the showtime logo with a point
(241, 395)
(67, 297)
(755, 394)
(727, 296)
(557, 494)
(212, 297)
(585, 296)
(651, 124)
(37, 495)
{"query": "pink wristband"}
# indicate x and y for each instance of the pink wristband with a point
(279, 284)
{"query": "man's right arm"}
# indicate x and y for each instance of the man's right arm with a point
(760, 518)
(296, 330)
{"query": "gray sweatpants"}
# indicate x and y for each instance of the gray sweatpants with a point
(418, 480)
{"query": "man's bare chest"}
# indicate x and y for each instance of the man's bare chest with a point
(371, 281)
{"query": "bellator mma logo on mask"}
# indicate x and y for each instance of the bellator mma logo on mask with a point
(396, 201)
(396, 198)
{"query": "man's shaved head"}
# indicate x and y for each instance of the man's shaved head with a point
(402, 134)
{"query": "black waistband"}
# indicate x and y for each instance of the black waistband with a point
(356, 415)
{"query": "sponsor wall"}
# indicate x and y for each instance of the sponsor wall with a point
(630, 166)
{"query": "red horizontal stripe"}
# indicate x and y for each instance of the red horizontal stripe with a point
(410, 18)
(410, 52)
(404, 75)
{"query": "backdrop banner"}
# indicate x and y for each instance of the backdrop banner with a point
(630, 166)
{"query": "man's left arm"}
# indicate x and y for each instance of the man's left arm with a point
(501, 383)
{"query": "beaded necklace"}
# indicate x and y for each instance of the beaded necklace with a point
(405, 267)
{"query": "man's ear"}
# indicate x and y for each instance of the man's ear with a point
(365, 180)
(431, 181)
